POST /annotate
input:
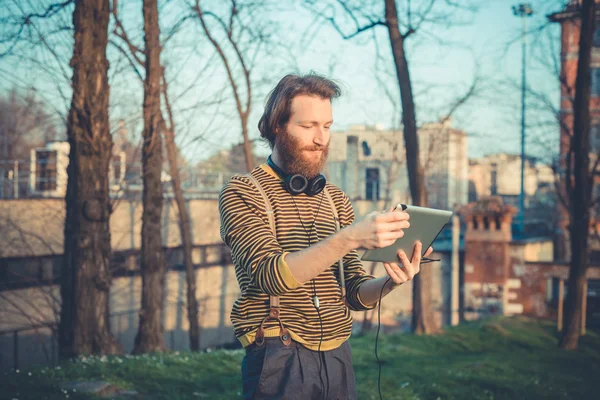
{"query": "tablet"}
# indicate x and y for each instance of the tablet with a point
(425, 225)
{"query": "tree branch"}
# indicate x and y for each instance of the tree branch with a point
(120, 32)
(128, 56)
(220, 51)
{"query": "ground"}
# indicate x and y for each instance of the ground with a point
(503, 358)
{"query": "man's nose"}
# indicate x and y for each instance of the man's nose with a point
(319, 137)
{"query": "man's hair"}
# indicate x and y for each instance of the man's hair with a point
(278, 107)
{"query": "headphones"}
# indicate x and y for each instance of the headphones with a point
(297, 184)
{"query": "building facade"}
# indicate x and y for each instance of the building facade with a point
(369, 163)
(570, 22)
(499, 175)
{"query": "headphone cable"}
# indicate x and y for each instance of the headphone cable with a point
(377, 337)
(425, 260)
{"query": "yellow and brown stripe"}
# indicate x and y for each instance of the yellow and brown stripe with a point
(261, 269)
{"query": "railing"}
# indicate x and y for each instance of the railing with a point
(46, 337)
(50, 354)
(47, 178)
(122, 263)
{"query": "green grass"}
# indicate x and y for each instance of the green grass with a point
(506, 358)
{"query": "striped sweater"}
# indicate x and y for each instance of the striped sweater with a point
(261, 269)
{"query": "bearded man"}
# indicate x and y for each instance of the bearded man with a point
(294, 244)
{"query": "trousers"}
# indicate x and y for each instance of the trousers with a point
(276, 371)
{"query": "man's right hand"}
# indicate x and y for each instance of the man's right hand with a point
(378, 229)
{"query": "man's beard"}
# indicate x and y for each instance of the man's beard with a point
(294, 159)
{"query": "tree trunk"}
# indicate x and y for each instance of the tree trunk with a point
(150, 332)
(422, 318)
(84, 326)
(185, 230)
(247, 144)
(580, 200)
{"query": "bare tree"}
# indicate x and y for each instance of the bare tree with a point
(85, 278)
(184, 223)
(237, 32)
(24, 124)
(411, 22)
(167, 126)
(150, 331)
(579, 181)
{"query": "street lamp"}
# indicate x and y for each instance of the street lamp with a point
(522, 10)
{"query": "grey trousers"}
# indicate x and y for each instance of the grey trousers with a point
(276, 371)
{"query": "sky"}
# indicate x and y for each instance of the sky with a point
(443, 62)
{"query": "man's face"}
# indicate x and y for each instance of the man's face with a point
(304, 144)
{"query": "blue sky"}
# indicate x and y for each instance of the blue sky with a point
(441, 73)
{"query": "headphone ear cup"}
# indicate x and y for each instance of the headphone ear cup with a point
(316, 185)
(296, 184)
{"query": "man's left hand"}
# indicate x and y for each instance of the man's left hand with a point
(408, 268)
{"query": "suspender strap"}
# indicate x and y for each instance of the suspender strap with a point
(340, 261)
(273, 300)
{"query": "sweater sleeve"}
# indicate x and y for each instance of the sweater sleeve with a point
(254, 249)
(354, 272)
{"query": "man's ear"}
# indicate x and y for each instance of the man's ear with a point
(279, 129)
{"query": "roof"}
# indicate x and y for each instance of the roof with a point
(489, 205)
(571, 11)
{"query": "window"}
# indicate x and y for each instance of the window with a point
(595, 89)
(494, 180)
(366, 149)
(372, 183)
(595, 138)
(116, 168)
(46, 170)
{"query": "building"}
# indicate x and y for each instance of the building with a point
(570, 22)
(48, 170)
(368, 163)
(499, 175)
(505, 276)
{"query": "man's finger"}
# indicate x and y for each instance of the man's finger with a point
(391, 235)
(396, 273)
(395, 226)
(408, 268)
(429, 251)
(416, 256)
(393, 216)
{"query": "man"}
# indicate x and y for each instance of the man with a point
(293, 315)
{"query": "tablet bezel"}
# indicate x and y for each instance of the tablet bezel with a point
(438, 218)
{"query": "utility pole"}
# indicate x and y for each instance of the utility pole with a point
(523, 10)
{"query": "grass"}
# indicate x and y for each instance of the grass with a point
(503, 358)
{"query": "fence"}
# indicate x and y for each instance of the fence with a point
(38, 344)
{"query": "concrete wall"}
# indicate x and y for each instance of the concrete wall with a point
(34, 227)
(42, 221)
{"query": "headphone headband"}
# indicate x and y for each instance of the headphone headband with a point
(296, 184)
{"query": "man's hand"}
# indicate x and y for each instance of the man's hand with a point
(378, 229)
(408, 269)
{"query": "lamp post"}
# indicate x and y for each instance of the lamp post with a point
(522, 10)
